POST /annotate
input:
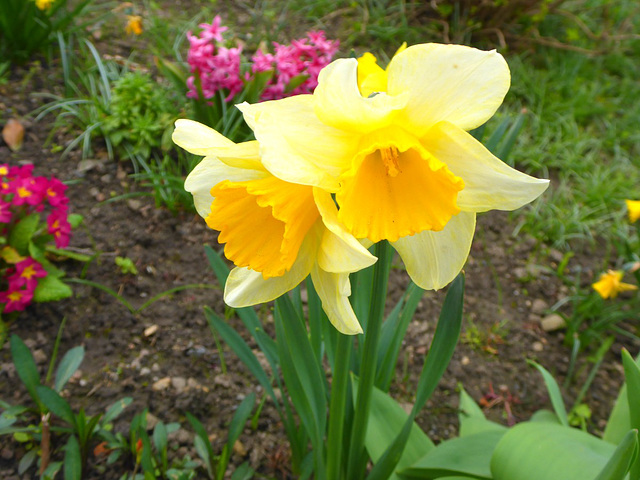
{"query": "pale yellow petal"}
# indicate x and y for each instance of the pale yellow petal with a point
(459, 84)
(489, 183)
(197, 138)
(294, 144)
(334, 290)
(209, 172)
(338, 101)
(339, 252)
(247, 287)
(433, 259)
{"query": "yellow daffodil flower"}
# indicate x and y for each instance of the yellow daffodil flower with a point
(134, 24)
(399, 160)
(610, 284)
(371, 76)
(275, 232)
(44, 4)
(633, 208)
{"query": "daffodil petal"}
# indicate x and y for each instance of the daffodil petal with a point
(339, 252)
(338, 101)
(489, 183)
(459, 84)
(209, 172)
(334, 290)
(295, 145)
(247, 287)
(433, 259)
(197, 138)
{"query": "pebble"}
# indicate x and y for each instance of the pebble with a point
(152, 421)
(192, 383)
(539, 306)
(155, 367)
(222, 380)
(465, 360)
(144, 371)
(40, 357)
(552, 322)
(161, 384)
(150, 330)
(239, 449)
(537, 346)
(182, 436)
(179, 383)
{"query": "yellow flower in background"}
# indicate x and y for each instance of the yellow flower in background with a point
(134, 24)
(44, 4)
(610, 284)
(633, 208)
(393, 147)
(275, 232)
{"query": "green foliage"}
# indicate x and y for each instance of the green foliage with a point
(126, 265)
(25, 29)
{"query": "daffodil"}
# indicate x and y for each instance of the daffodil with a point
(44, 4)
(610, 284)
(399, 159)
(633, 208)
(275, 232)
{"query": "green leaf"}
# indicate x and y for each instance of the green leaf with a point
(72, 459)
(116, 409)
(554, 393)
(56, 404)
(471, 417)
(26, 367)
(68, 366)
(468, 456)
(27, 460)
(202, 444)
(386, 418)
(241, 349)
(632, 378)
(235, 429)
(436, 362)
(22, 232)
(536, 450)
(243, 472)
(622, 459)
(75, 220)
(51, 289)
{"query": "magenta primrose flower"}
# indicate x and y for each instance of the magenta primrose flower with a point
(16, 299)
(27, 273)
(59, 227)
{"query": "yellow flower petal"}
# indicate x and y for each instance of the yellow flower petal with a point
(633, 208)
(489, 183)
(610, 284)
(295, 145)
(339, 251)
(338, 101)
(392, 193)
(334, 290)
(262, 222)
(209, 172)
(246, 287)
(433, 259)
(198, 139)
(459, 84)
(371, 77)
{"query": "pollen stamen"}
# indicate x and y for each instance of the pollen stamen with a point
(390, 159)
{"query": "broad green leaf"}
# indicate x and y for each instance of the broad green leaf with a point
(202, 444)
(51, 289)
(622, 459)
(619, 421)
(22, 232)
(554, 393)
(545, 416)
(75, 220)
(386, 418)
(25, 367)
(68, 366)
(56, 404)
(72, 459)
(27, 460)
(470, 456)
(160, 442)
(243, 472)
(537, 450)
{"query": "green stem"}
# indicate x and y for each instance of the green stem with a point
(356, 461)
(339, 393)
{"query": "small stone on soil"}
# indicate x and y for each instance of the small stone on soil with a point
(161, 384)
(537, 346)
(150, 330)
(552, 322)
(539, 306)
(179, 383)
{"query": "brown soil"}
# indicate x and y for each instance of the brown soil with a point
(510, 285)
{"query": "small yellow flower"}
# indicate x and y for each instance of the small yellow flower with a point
(633, 207)
(134, 24)
(610, 285)
(44, 4)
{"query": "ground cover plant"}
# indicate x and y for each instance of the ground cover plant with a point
(140, 279)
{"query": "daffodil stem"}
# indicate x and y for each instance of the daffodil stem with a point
(357, 460)
(339, 392)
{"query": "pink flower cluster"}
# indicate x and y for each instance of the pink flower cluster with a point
(216, 67)
(22, 194)
(305, 56)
